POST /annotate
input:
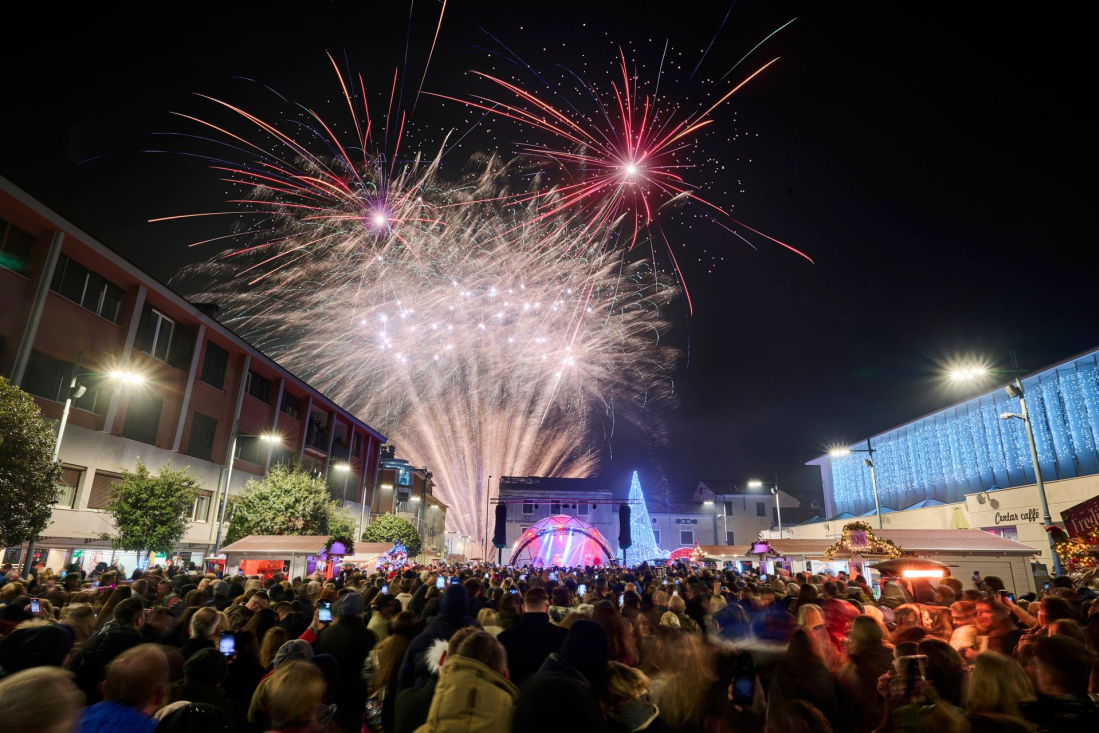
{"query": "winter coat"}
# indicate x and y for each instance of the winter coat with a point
(90, 665)
(529, 643)
(112, 717)
(859, 678)
(350, 643)
(453, 615)
(211, 695)
(470, 697)
(559, 682)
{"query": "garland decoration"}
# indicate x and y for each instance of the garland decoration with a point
(858, 538)
(343, 540)
(1075, 552)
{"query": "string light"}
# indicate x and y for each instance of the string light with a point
(644, 545)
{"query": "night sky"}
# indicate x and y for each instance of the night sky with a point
(931, 161)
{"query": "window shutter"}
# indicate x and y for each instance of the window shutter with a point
(183, 344)
(146, 330)
(100, 495)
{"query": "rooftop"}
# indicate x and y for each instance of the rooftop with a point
(298, 545)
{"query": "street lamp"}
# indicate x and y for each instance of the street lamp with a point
(1015, 389)
(757, 484)
(271, 438)
(710, 502)
(869, 463)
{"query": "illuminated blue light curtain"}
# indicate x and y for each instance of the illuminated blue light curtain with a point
(968, 448)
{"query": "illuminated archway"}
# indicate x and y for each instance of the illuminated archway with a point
(561, 540)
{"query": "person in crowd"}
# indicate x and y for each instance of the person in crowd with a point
(562, 604)
(35, 643)
(410, 708)
(575, 675)
(626, 702)
(405, 596)
(868, 658)
(454, 613)
(678, 607)
(122, 633)
(383, 690)
(272, 640)
(350, 643)
(40, 700)
(239, 614)
(473, 694)
(619, 633)
(802, 675)
(135, 685)
(659, 608)
(510, 611)
(386, 607)
(529, 643)
(205, 633)
(204, 675)
(296, 696)
(997, 691)
(1061, 669)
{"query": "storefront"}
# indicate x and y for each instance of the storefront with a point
(294, 556)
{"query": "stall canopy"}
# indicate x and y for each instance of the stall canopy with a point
(280, 545)
(910, 541)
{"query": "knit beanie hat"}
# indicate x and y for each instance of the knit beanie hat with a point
(221, 589)
(587, 648)
(293, 649)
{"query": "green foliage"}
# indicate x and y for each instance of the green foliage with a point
(151, 513)
(342, 526)
(288, 501)
(28, 473)
(389, 528)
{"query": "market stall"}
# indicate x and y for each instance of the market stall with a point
(295, 556)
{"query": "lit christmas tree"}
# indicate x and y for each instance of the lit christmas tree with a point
(641, 528)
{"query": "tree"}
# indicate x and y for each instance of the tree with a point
(28, 473)
(641, 527)
(389, 528)
(287, 501)
(151, 513)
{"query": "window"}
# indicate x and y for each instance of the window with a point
(15, 247)
(143, 418)
(686, 537)
(729, 537)
(214, 365)
(656, 537)
(728, 508)
(201, 443)
(404, 476)
(102, 485)
(202, 506)
(290, 405)
(47, 377)
(356, 445)
(87, 289)
(528, 507)
(582, 510)
(761, 509)
(555, 507)
(250, 449)
(257, 386)
(68, 485)
(154, 334)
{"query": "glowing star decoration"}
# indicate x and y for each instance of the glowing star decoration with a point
(644, 545)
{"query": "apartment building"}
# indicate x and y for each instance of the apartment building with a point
(408, 491)
(66, 298)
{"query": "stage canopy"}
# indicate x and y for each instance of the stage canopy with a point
(560, 540)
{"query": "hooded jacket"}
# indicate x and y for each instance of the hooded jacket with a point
(470, 697)
(453, 615)
(90, 665)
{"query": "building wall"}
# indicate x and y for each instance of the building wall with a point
(93, 441)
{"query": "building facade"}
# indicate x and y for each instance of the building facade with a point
(66, 297)
(408, 492)
(717, 512)
(967, 466)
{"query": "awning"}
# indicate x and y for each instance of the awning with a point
(958, 520)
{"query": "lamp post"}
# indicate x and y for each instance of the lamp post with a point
(74, 392)
(756, 484)
(267, 438)
(1015, 389)
(869, 462)
(713, 502)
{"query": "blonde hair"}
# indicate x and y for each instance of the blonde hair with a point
(621, 685)
(488, 617)
(295, 693)
(685, 677)
(998, 685)
(82, 621)
(810, 616)
(39, 699)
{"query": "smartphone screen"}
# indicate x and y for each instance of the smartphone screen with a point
(744, 690)
(453, 580)
(385, 588)
(95, 585)
(440, 582)
(35, 605)
(523, 576)
(228, 643)
(621, 599)
(513, 590)
(324, 610)
(1046, 587)
(581, 590)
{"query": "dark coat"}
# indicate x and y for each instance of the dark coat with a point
(557, 680)
(350, 643)
(234, 714)
(410, 710)
(453, 615)
(529, 643)
(90, 665)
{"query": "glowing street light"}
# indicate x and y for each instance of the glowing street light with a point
(755, 484)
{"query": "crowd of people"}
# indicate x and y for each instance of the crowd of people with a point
(479, 648)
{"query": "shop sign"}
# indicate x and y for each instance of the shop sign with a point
(1030, 515)
(1082, 518)
(858, 540)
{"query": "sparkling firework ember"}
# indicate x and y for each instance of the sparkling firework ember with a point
(483, 338)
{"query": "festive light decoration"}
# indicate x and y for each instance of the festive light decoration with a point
(641, 528)
(968, 448)
(683, 553)
(858, 538)
(1075, 552)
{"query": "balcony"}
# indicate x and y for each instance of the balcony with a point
(316, 439)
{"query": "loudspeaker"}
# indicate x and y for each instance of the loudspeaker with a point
(624, 538)
(500, 535)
